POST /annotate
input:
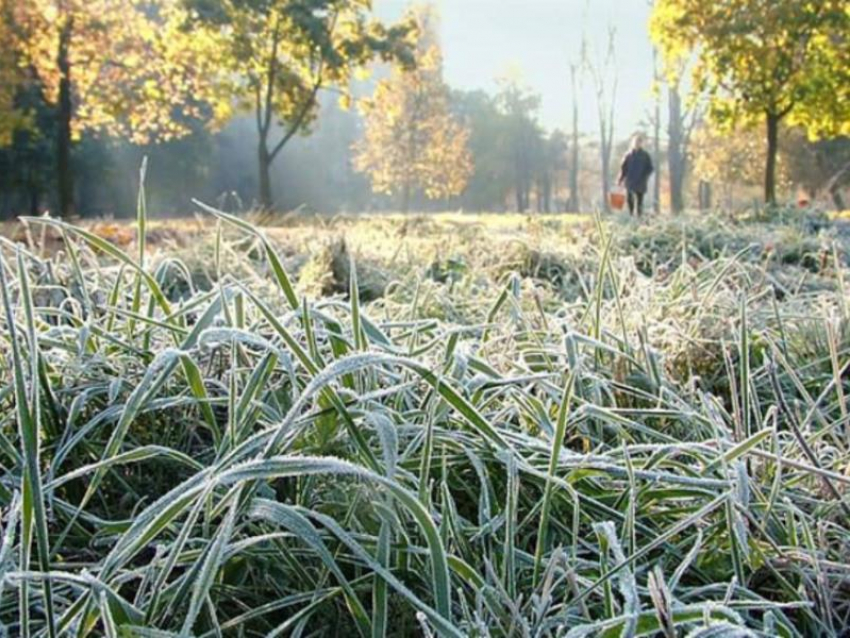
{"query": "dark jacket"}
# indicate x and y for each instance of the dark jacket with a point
(636, 169)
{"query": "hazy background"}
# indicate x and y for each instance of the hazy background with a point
(525, 160)
(483, 39)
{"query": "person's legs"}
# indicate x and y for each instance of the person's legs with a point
(631, 199)
(640, 204)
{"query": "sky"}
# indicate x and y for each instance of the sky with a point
(485, 39)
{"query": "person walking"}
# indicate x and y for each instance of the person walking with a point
(634, 174)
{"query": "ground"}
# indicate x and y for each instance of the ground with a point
(518, 425)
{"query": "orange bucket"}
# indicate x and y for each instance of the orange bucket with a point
(617, 199)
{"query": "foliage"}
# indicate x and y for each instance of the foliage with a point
(762, 61)
(26, 163)
(732, 157)
(411, 142)
(134, 71)
(12, 118)
(522, 134)
(757, 57)
(513, 157)
(109, 67)
(490, 182)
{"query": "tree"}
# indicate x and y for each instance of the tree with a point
(125, 69)
(512, 157)
(412, 143)
(762, 61)
(278, 55)
(491, 179)
(683, 116)
(656, 135)
(26, 157)
(12, 117)
(574, 202)
(551, 162)
(523, 136)
(605, 79)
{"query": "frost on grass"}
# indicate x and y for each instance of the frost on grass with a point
(232, 458)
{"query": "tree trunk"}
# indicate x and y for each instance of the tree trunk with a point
(521, 174)
(33, 197)
(64, 169)
(772, 150)
(574, 205)
(837, 199)
(704, 196)
(266, 198)
(405, 197)
(606, 137)
(519, 183)
(605, 156)
(676, 151)
(656, 194)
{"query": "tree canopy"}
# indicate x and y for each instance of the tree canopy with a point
(107, 66)
(523, 136)
(133, 68)
(761, 61)
(412, 142)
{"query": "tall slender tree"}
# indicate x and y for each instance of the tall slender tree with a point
(519, 106)
(605, 80)
(656, 134)
(551, 162)
(683, 117)
(574, 202)
(491, 179)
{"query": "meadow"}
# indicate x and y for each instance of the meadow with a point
(441, 425)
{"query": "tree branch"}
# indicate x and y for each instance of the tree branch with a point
(308, 103)
(781, 114)
(299, 120)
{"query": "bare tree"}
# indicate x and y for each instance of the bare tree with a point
(574, 203)
(605, 78)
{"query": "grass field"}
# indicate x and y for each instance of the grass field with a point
(447, 425)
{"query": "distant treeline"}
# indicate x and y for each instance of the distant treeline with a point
(268, 104)
(519, 166)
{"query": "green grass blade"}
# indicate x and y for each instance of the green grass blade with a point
(28, 414)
